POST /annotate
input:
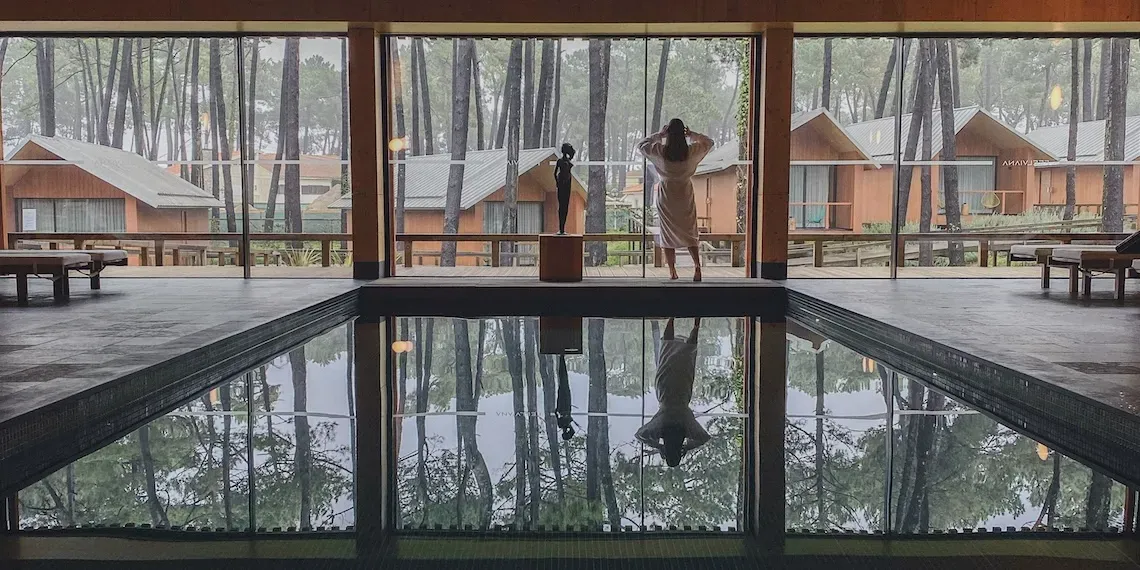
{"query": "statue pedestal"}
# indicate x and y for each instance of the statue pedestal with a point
(560, 335)
(560, 257)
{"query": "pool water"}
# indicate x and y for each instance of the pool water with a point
(526, 424)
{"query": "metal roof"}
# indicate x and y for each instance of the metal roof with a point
(484, 172)
(127, 171)
(1090, 139)
(878, 135)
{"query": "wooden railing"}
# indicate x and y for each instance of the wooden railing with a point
(177, 242)
(174, 242)
(736, 242)
(985, 240)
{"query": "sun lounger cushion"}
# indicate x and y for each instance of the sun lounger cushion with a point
(104, 255)
(43, 258)
(1080, 253)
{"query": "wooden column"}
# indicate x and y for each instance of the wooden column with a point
(376, 448)
(774, 122)
(765, 393)
(365, 128)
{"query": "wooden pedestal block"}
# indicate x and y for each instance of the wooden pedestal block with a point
(560, 257)
(560, 335)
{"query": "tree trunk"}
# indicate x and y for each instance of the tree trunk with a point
(557, 95)
(1102, 92)
(514, 71)
(157, 513)
(217, 93)
(513, 351)
(417, 102)
(401, 132)
(477, 86)
(227, 426)
(303, 453)
(949, 173)
(655, 123)
(45, 74)
(1074, 120)
(885, 84)
(926, 207)
(599, 60)
(157, 104)
(429, 135)
(1086, 81)
(923, 99)
(528, 93)
(954, 72)
(906, 43)
(549, 389)
(464, 397)
(530, 345)
(826, 96)
(1116, 101)
(599, 478)
(1099, 499)
(251, 121)
(107, 90)
(423, 380)
(512, 106)
(542, 96)
(121, 95)
(820, 452)
(460, 117)
(269, 222)
(290, 131)
(195, 117)
(134, 93)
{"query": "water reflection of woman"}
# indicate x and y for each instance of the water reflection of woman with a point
(674, 430)
(562, 403)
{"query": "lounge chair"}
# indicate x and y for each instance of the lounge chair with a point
(1084, 260)
(100, 258)
(52, 264)
(1039, 253)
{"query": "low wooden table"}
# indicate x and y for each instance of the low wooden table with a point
(560, 257)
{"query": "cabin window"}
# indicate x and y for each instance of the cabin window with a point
(71, 215)
(812, 187)
(976, 181)
(314, 189)
(529, 222)
(529, 217)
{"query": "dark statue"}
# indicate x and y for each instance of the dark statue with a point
(562, 404)
(563, 181)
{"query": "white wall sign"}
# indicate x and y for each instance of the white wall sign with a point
(29, 224)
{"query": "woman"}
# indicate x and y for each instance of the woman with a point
(676, 160)
(674, 430)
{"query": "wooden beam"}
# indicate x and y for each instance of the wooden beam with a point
(572, 17)
(364, 117)
(775, 122)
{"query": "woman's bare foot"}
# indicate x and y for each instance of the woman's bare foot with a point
(697, 275)
(673, 275)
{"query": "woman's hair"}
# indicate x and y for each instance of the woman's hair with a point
(673, 438)
(676, 147)
(568, 150)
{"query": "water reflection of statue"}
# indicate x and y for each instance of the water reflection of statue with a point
(562, 404)
(674, 430)
(563, 181)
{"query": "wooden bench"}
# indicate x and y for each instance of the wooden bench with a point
(1084, 260)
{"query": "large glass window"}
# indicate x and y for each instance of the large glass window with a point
(972, 146)
(522, 100)
(164, 146)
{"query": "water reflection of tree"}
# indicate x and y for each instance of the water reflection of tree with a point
(951, 468)
(189, 468)
(585, 481)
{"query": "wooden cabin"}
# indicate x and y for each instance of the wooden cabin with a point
(1049, 184)
(996, 176)
(482, 204)
(96, 189)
